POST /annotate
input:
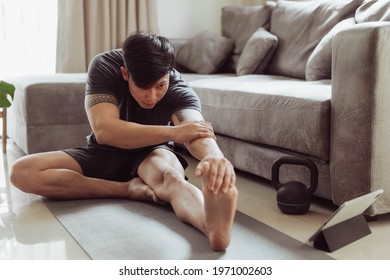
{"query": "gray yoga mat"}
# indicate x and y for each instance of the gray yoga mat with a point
(122, 230)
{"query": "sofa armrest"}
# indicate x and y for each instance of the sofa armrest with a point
(360, 114)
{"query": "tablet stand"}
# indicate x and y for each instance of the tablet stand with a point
(342, 234)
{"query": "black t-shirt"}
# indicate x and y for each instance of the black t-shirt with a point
(104, 77)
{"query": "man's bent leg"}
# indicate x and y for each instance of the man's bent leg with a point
(212, 214)
(57, 175)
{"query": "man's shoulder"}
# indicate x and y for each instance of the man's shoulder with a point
(181, 94)
(106, 64)
(178, 83)
(104, 75)
(109, 57)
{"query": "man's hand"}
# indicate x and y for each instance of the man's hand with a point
(188, 131)
(217, 172)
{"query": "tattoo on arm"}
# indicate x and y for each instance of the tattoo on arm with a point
(187, 115)
(180, 116)
(93, 99)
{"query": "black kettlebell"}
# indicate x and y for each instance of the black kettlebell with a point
(294, 197)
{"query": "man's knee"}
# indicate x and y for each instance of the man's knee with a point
(173, 176)
(21, 175)
(170, 159)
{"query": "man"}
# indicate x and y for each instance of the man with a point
(133, 95)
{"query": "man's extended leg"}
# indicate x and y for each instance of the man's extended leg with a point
(212, 214)
(57, 175)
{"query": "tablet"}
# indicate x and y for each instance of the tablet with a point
(348, 210)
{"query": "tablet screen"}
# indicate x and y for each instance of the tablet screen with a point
(348, 210)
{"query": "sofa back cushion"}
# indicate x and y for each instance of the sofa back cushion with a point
(239, 23)
(319, 65)
(373, 10)
(257, 53)
(299, 27)
(204, 53)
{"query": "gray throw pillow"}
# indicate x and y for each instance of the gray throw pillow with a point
(239, 23)
(257, 53)
(373, 10)
(319, 65)
(204, 53)
(299, 27)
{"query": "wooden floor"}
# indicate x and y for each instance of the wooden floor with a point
(29, 231)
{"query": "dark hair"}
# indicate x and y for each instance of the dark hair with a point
(147, 58)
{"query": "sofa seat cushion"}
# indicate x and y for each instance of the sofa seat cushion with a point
(189, 77)
(270, 110)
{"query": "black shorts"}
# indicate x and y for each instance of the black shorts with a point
(114, 165)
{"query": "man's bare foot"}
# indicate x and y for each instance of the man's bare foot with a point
(220, 209)
(138, 190)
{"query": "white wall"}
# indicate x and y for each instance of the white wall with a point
(185, 18)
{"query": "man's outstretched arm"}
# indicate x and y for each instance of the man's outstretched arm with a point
(103, 115)
(213, 164)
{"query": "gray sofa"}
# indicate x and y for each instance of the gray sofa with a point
(292, 101)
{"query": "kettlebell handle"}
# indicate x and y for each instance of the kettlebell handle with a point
(295, 161)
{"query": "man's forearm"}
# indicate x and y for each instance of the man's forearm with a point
(127, 135)
(202, 147)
